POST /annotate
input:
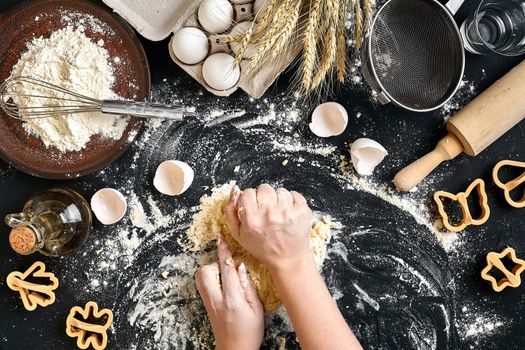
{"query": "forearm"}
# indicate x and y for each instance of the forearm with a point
(317, 321)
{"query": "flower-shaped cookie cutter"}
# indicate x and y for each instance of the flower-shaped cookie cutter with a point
(89, 333)
(512, 184)
(34, 294)
(462, 199)
(512, 278)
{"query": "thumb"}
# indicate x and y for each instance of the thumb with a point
(231, 213)
(248, 288)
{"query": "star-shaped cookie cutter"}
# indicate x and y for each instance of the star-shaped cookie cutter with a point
(79, 327)
(34, 294)
(512, 278)
(512, 184)
(462, 199)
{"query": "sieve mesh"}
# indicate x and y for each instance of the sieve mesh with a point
(416, 53)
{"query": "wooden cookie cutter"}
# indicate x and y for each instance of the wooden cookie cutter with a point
(511, 185)
(512, 278)
(461, 197)
(34, 294)
(79, 327)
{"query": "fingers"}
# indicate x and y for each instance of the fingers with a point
(266, 195)
(209, 286)
(232, 214)
(247, 203)
(231, 286)
(250, 294)
(298, 199)
(284, 198)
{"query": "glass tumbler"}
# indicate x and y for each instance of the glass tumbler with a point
(497, 26)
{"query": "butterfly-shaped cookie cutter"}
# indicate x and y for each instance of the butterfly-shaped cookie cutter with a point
(511, 185)
(462, 199)
(34, 294)
(512, 278)
(80, 327)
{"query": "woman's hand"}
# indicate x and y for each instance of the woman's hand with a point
(234, 309)
(272, 224)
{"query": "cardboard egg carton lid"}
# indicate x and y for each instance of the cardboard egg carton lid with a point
(154, 22)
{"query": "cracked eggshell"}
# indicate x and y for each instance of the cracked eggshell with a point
(173, 177)
(329, 119)
(215, 16)
(109, 206)
(366, 155)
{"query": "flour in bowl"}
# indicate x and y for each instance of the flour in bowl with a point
(68, 58)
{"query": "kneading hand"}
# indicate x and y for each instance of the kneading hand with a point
(234, 309)
(272, 224)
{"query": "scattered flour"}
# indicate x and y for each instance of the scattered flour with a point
(68, 58)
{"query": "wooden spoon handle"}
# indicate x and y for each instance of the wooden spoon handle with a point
(448, 148)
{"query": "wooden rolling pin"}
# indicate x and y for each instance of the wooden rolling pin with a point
(473, 128)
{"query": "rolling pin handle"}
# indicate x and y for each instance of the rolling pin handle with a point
(448, 148)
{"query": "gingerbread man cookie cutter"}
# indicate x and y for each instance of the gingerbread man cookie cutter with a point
(97, 333)
(512, 184)
(511, 278)
(462, 199)
(34, 294)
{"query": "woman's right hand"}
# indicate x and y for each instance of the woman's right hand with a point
(272, 224)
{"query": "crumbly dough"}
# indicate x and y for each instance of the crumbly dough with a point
(210, 221)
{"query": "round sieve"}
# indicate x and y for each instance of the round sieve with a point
(413, 56)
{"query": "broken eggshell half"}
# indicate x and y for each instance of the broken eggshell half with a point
(109, 206)
(366, 155)
(329, 119)
(173, 177)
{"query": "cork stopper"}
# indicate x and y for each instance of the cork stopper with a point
(23, 240)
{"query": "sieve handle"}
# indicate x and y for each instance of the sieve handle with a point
(454, 5)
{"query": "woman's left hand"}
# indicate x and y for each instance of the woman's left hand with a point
(234, 309)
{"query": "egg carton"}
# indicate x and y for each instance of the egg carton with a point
(158, 20)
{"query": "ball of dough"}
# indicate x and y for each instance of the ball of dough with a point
(220, 71)
(216, 16)
(190, 45)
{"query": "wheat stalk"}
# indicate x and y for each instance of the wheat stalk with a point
(327, 58)
(310, 44)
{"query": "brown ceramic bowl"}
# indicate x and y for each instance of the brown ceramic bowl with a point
(132, 81)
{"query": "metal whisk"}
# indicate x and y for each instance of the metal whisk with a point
(57, 101)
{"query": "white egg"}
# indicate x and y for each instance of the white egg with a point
(190, 45)
(216, 16)
(329, 119)
(239, 30)
(109, 206)
(366, 155)
(220, 71)
(259, 6)
(173, 177)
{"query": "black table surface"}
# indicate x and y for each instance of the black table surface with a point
(450, 307)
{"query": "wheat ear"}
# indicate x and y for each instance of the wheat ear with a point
(341, 44)
(289, 28)
(327, 59)
(368, 10)
(358, 25)
(310, 43)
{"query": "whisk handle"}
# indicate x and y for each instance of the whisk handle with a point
(144, 110)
